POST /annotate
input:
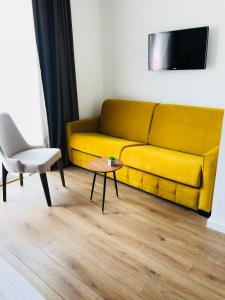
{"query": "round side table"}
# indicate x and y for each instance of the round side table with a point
(100, 165)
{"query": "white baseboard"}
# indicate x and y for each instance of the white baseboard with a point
(216, 226)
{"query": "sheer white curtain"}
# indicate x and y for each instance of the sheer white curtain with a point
(20, 87)
(21, 93)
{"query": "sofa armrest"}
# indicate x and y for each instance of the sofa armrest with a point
(208, 179)
(213, 153)
(85, 125)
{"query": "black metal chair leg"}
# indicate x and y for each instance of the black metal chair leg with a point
(21, 179)
(114, 176)
(4, 178)
(60, 167)
(44, 182)
(104, 187)
(93, 186)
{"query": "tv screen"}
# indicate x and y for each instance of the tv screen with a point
(178, 50)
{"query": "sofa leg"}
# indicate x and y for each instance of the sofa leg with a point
(204, 213)
(4, 183)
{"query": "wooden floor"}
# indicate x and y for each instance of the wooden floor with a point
(141, 248)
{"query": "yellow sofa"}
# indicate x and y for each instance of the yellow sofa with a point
(168, 150)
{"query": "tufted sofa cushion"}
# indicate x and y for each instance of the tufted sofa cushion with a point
(177, 166)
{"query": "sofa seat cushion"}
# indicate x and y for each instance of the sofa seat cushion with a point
(177, 166)
(99, 144)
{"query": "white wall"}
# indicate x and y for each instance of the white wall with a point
(19, 73)
(88, 55)
(217, 219)
(125, 27)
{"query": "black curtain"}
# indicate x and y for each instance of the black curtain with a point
(54, 37)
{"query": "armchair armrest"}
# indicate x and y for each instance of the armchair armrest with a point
(208, 174)
(85, 125)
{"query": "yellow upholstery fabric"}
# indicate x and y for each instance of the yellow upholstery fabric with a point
(167, 189)
(177, 166)
(150, 183)
(129, 120)
(164, 188)
(135, 178)
(81, 159)
(187, 196)
(85, 125)
(179, 162)
(99, 144)
(189, 129)
(209, 174)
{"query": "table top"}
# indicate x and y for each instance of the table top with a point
(101, 165)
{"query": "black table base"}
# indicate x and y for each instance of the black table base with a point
(104, 187)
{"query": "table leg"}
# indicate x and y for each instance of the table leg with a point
(104, 187)
(114, 176)
(93, 186)
(21, 178)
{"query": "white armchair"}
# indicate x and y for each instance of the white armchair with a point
(20, 157)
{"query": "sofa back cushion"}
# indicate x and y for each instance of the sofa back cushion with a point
(125, 119)
(189, 129)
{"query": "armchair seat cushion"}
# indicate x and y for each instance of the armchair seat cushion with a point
(177, 166)
(99, 144)
(37, 160)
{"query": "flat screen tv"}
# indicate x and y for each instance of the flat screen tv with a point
(178, 50)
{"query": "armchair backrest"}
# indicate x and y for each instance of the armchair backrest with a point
(11, 140)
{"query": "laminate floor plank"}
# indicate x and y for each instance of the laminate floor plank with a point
(142, 248)
(56, 276)
(45, 290)
(89, 273)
